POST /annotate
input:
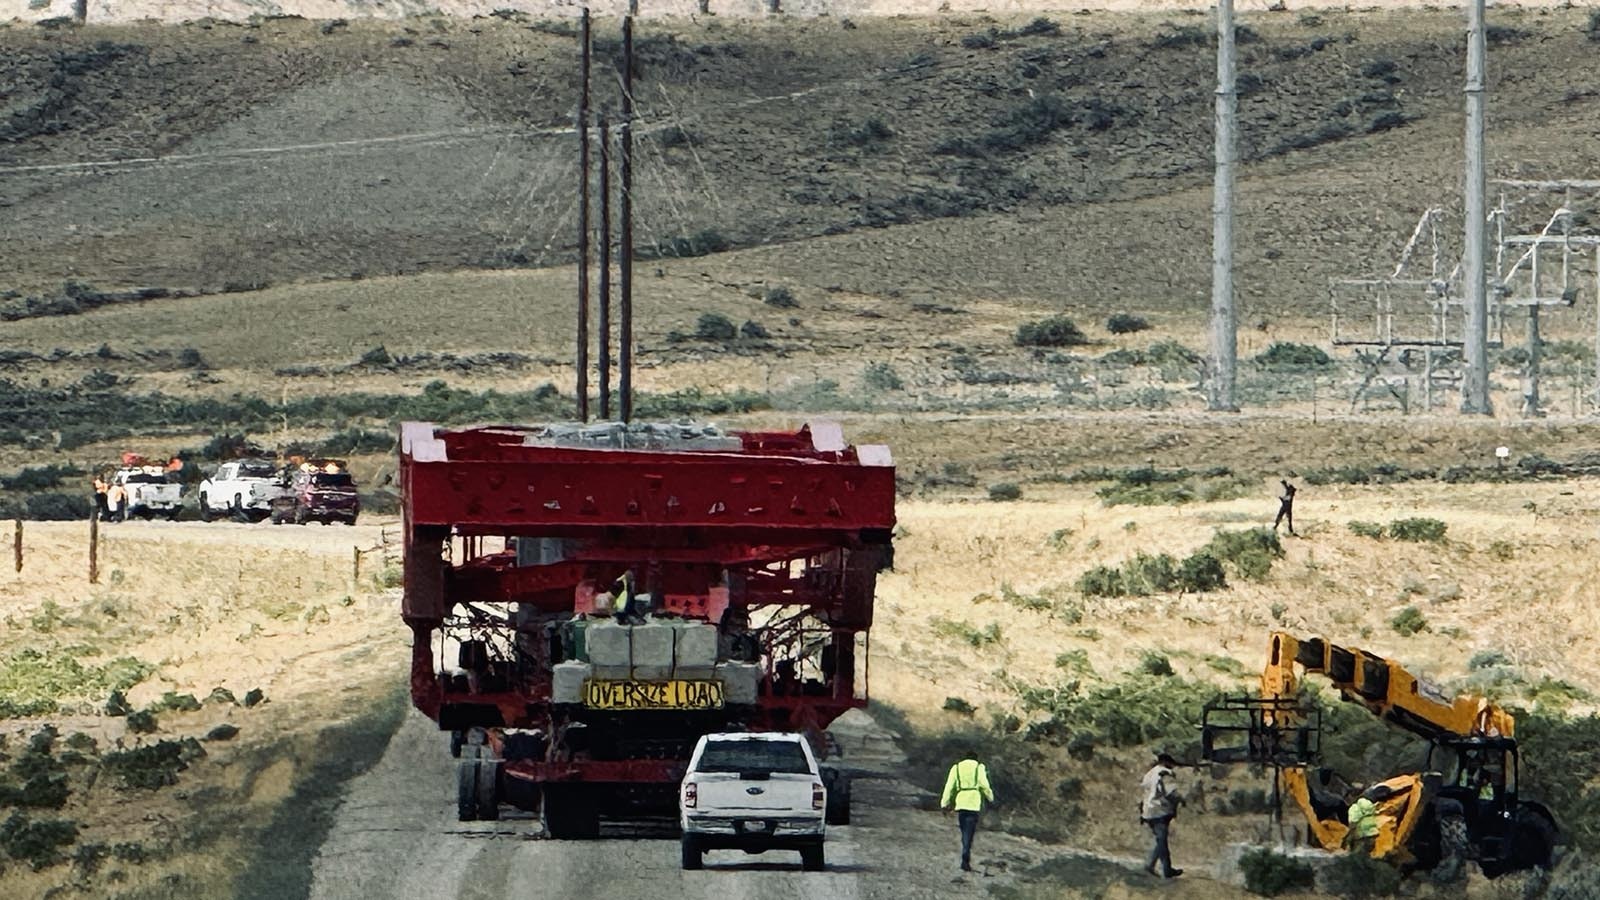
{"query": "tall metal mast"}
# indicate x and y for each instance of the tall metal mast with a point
(1475, 382)
(1224, 326)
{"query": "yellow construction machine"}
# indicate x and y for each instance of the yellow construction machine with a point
(1464, 803)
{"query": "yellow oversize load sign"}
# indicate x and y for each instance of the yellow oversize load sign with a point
(653, 694)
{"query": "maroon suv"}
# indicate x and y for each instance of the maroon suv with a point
(320, 491)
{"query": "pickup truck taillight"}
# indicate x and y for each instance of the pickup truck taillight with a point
(691, 795)
(819, 797)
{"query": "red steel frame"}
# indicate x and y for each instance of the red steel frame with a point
(801, 531)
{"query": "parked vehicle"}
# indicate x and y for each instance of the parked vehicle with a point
(146, 491)
(319, 490)
(753, 792)
(243, 489)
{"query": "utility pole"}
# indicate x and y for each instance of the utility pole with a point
(625, 251)
(1224, 326)
(1475, 382)
(605, 267)
(583, 221)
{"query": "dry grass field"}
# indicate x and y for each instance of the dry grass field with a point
(185, 610)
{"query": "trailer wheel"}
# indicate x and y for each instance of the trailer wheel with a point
(467, 790)
(488, 789)
(813, 859)
(457, 738)
(692, 856)
(569, 813)
(838, 810)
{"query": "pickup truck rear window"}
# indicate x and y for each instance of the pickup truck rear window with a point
(777, 757)
(336, 480)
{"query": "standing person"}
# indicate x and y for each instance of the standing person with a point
(1158, 806)
(968, 786)
(1285, 507)
(117, 502)
(100, 487)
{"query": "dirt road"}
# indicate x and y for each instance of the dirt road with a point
(396, 837)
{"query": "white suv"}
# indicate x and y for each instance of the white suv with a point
(753, 792)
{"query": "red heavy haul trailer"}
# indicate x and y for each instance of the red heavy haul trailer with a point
(587, 600)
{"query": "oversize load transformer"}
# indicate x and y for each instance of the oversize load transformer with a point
(587, 600)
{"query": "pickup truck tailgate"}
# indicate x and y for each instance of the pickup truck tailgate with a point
(729, 792)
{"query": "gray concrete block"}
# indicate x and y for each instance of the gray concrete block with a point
(739, 681)
(652, 651)
(566, 682)
(608, 644)
(696, 650)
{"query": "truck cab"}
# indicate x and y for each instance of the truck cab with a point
(753, 792)
(243, 489)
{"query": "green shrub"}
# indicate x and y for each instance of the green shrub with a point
(781, 297)
(1408, 622)
(1156, 664)
(1357, 875)
(1366, 529)
(1056, 331)
(36, 843)
(959, 706)
(1200, 573)
(1417, 529)
(978, 40)
(881, 377)
(1338, 475)
(700, 243)
(376, 356)
(1269, 873)
(870, 132)
(1231, 545)
(142, 721)
(152, 766)
(352, 441)
(1102, 581)
(1124, 323)
(172, 701)
(254, 697)
(966, 633)
(39, 478)
(715, 327)
(1287, 355)
(1488, 659)
(1145, 574)
(1004, 492)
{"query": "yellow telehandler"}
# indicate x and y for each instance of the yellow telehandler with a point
(1464, 803)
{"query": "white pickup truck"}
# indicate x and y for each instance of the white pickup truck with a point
(147, 493)
(753, 792)
(243, 489)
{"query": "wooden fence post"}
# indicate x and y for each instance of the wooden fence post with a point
(16, 546)
(94, 548)
(355, 567)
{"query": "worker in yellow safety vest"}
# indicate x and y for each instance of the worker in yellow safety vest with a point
(967, 786)
(1362, 817)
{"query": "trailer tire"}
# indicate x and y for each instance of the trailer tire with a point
(488, 789)
(567, 814)
(691, 855)
(467, 790)
(838, 809)
(813, 858)
(457, 738)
